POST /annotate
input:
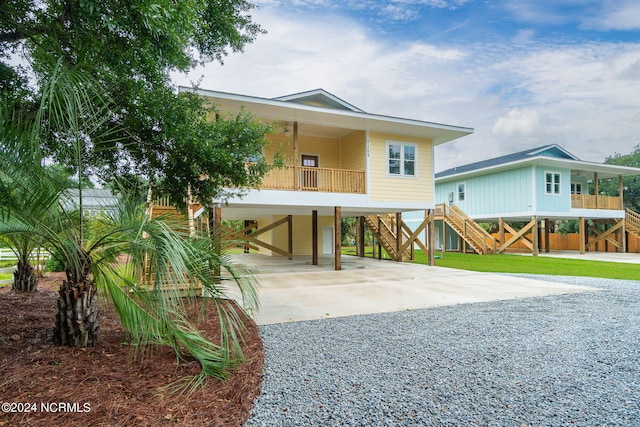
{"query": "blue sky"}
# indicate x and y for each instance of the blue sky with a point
(521, 73)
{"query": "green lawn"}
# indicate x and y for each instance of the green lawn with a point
(530, 265)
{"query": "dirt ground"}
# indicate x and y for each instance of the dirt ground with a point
(102, 386)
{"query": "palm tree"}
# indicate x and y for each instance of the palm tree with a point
(24, 186)
(146, 290)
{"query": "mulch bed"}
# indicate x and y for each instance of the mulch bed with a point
(103, 386)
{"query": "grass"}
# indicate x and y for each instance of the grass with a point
(530, 265)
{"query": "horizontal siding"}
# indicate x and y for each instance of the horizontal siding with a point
(354, 151)
(302, 238)
(327, 149)
(399, 189)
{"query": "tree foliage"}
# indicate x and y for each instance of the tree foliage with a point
(130, 48)
(630, 184)
(161, 262)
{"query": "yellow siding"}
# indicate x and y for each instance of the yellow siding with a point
(354, 151)
(400, 189)
(302, 238)
(279, 141)
(327, 149)
(265, 237)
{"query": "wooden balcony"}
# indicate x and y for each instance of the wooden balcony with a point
(315, 179)
(584, 201)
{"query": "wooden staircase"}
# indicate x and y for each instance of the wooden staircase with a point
(384, 228)
(632, 222)
(469, 230)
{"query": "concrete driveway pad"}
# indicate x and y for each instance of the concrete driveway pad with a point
(295, 290)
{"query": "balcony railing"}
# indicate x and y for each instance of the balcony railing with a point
(583, 201)
(315, 179)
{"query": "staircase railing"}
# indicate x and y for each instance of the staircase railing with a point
(468, 229)
(383, 229)
(632, 221)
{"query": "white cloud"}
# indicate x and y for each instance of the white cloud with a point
(518, 96)
(616, 15)
(517, 122)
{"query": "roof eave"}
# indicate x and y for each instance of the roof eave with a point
(282, 110)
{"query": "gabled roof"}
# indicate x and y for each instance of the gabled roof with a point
(319, 98)
(341, 117)
(548, 155)
(546, 150)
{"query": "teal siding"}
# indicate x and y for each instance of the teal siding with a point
(497, 193)
(553, 202)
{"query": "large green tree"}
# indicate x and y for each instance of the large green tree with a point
(631, 184)
(130, 48)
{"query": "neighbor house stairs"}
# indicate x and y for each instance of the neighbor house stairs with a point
(470, 231)
(632, 222)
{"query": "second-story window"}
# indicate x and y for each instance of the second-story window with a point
(401, 159)
(552, 183)
(462, 192)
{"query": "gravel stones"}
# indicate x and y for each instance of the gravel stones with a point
(545, 361)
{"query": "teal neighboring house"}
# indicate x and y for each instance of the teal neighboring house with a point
(538, 186)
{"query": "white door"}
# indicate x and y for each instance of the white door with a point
(327, 240)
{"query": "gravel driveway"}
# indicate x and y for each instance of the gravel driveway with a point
(567, 360)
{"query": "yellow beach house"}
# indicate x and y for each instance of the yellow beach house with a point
(339, 162)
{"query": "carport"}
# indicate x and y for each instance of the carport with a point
(295, 290)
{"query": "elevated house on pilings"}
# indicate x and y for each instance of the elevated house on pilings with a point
(537, 187)
(339, 162)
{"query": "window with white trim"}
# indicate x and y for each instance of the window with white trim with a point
(401, 159)
(461, 192)
(552, 183)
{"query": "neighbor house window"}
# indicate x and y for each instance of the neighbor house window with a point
(461, 192)
(552, 183)
(401, 159)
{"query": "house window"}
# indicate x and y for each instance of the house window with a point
(461, 191)
(401, 159)
(552, 183)
(576, 188)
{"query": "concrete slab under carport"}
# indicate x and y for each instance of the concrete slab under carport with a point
(296, 290)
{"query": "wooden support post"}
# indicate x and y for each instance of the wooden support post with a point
(444, 236)
(582, 234)
(621, 191)
(501, 231)
(361, 248)
(431, 241)
(338, 238)
(547, 233)
(314, 237)
(534, 236)
(296, 158)
(290, 234)
(247, 226)
(379, 245)
(398, 236)
(597, 188)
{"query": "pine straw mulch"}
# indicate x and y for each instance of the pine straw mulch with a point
(118, 391)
